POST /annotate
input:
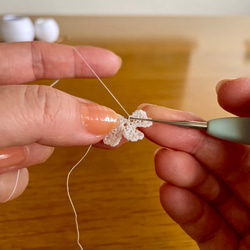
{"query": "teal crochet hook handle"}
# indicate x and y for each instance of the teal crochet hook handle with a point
(236, 129)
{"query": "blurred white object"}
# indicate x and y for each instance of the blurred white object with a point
(17, 29)
(47, 29)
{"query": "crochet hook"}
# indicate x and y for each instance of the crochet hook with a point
(235, 129)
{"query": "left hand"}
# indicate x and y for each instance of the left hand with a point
(35, 118)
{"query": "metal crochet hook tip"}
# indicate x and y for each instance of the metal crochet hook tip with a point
(235, 129)
(186, 124)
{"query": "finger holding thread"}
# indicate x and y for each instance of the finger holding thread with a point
(31, 61)
(47, 116)
(12, 184)
(14, 158)
(42, 116)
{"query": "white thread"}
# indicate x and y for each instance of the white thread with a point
(15, 187)
(54, 83)
(70, 199)
(67, 182)
(100, 80)
(68, 190)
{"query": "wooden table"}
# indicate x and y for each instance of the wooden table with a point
(170, 61)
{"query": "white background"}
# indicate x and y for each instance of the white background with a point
(125, 7)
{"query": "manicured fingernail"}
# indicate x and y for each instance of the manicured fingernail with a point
(97, 119)
(12, 156)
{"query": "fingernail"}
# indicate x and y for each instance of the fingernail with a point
(97, 119)
(163, 113)
(159, 150)
(119, 60)
(144, 105)
(222, 82)
(12, 156)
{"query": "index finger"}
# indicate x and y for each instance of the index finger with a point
(30, 61)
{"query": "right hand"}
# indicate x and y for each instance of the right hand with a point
(206, 187)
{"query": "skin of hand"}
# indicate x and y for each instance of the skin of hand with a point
(206, 180)
(206, 187)
(35, 118)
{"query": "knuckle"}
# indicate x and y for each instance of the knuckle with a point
(43, 102)
(38, 65)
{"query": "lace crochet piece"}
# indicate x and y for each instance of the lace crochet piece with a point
(128, 128)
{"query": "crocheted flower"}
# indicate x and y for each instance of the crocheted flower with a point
(127, 127)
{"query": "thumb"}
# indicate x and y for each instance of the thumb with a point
(234, 96)
(51, 117)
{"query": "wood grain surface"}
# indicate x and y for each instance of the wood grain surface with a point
(169, 61)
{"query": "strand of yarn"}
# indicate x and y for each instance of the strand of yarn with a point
(83, 157)
(126, 127)
(15, 186)
(54, 83)
(100, 80)
(70, 199)
(68, 189)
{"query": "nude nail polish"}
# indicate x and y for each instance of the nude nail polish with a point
(97, 119)
(12, 156)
